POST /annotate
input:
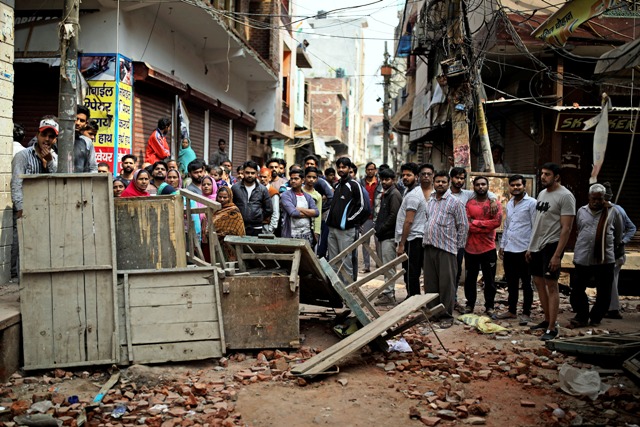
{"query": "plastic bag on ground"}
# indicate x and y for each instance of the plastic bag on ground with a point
(581, 382)
(481, 323)
(401, 346)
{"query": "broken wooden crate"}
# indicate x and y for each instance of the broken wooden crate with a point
(260, 301)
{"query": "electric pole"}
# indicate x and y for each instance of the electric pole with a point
(386, 71)
(460, 91)
(67, 100)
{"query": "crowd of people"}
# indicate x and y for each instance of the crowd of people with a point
(424, 214)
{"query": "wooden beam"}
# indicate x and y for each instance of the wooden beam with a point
(328, 358)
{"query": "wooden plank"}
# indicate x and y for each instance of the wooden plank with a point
(240, 257)
(67, 269)
(36, 306)
(218, 295)
(374, 294)
(92, 302)
(175, 352)
(106, 316)
(147, 233)
(171, 314)
(65, 213)
(352, 247)
(326, 359)
(34, 227)
(177, 295)
(127, 315)
(260, 312)
(295, 267)
(380, 271)
(269, 256)
(69, 318)
(175, 332)
(347, 296)
(100, 212)
(89, 227)
(169, 280)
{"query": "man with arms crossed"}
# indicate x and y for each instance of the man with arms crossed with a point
(556, 209)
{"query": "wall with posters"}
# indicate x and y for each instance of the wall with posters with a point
(110, 99)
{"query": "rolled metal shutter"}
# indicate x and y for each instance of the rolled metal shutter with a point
(150, 105)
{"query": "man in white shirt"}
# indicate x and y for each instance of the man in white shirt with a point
(516, 235)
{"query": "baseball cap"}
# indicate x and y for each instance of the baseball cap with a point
(49, 124)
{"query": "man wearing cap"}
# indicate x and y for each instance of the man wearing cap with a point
(39, 158)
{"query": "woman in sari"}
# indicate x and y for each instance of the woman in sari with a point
(210, 191)
(138, 185)
(118, 186)
(228, 221)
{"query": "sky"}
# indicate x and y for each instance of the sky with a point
(382, 18)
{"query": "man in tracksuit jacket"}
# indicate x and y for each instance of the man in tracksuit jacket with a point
(348, 210)
(252, 198)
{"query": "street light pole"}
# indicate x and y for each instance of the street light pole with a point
(67, 101)
(386, 70)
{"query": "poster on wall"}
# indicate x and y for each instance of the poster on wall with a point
(110, 100)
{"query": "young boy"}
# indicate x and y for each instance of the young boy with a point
(299, 210)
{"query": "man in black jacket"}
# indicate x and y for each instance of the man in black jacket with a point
(348, 210)
(252, 198)
(385, 226)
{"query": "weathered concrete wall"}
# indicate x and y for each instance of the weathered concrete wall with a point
(6, 138)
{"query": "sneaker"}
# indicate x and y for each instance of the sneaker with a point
(446, 323)
(467, 310)
(542, 325)
(385, 299)
(459, 308)
(366, 270)
(506, 315)
(549, 335)
(525, 319)
(490, 313)
(613, 314)
(594, 323)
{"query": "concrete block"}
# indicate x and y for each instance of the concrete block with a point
(6, 218)
(10, 350)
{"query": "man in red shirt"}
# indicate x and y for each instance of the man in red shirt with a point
(157, 146)
(372, 185)
(480, 251)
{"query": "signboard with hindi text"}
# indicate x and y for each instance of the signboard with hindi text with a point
(110, 100)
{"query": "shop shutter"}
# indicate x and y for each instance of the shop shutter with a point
(240, 143)
(35, 95)
(150, 105)
(196, 128)
(218, 128)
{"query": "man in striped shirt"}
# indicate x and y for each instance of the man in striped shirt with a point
(38, 158)
(445, 233)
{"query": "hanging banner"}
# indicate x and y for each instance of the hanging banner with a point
(110, 100)
(559, 26)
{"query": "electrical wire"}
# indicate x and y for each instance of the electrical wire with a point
(151, 32)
